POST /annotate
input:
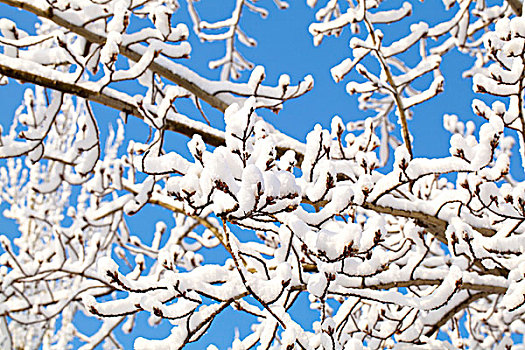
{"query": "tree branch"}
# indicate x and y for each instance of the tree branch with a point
(465, 303)
(52, 79)
(516, 6)
(184, 81)
(211, 136)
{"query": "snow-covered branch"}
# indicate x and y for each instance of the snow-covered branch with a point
(391, 249)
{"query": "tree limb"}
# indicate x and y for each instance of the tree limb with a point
(49, 78)
(183, 81)
(465, 303)
(516, 6)
(211, 136)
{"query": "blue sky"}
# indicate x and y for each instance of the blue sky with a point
(284, 46)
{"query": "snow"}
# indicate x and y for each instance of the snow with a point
(395, 249)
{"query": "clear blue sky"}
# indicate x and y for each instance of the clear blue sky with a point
(284, 46)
